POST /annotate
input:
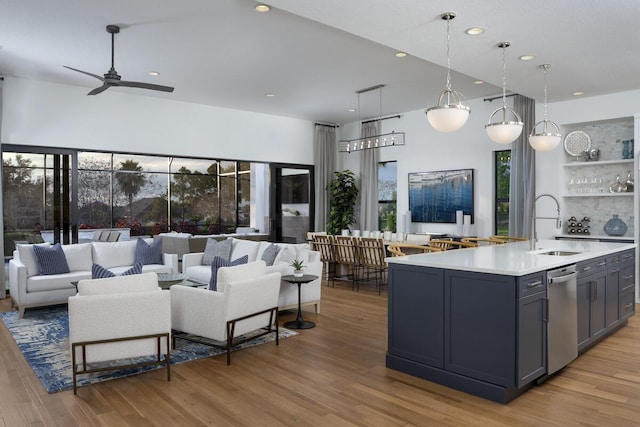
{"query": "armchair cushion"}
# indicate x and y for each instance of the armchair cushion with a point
(216, 248)
(149, 253)
(221, 262)
(51, 260)
(99, 272)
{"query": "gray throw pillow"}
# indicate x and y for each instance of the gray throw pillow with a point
(270, 253)
(214, 249)
(51, 259)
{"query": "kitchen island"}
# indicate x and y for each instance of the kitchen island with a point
(477, 319)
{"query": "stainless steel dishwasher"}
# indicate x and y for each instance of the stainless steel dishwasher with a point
(562, 325)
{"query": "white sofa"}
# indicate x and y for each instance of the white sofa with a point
(28, 288)
(310, 292)
(125, 311)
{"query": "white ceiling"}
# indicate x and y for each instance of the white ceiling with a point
(314, 55)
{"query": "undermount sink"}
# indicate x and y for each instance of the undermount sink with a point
(558, 253)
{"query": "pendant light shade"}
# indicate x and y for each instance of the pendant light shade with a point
(450, 113)
(549, 136)
(505, 131)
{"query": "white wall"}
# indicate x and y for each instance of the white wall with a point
(53, 115)
(428, 150)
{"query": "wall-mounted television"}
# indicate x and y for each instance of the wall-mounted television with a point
(436, 196)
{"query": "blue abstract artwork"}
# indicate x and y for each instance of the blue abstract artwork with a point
(436, 196)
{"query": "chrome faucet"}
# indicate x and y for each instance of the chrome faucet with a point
(534, 233)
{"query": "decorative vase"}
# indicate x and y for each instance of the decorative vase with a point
(615, 226)
(625, 149)
(299, 273)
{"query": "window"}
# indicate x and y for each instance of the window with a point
(387, 196)
(502, 170)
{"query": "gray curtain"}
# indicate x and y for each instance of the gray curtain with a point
(523, 172)
(324, 155)
(369, 179)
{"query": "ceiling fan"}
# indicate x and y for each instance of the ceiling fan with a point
(112, 78)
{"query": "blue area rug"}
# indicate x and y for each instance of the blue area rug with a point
(43, 337)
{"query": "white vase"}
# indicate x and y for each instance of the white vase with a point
(298, 273)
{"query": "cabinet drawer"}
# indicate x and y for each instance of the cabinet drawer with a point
(628, 256)
(532, 284)
(627, 278)
(591, 266)
(613, 261)
(627, 304)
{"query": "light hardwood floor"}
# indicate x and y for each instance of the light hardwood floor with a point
(332, 375)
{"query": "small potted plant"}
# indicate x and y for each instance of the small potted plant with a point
(297, 265)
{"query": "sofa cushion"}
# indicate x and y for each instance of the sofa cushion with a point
(119, 285)
(286, 255)
(148, 253)
(51, 260)
(242, 247)
(27, 257)
(114, 254)
(240, 272)
(221, 262)
(269, 254)
(56, 282)
(78, 256)
(99, 272)
(216, 248)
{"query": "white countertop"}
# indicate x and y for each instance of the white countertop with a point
(513, 259)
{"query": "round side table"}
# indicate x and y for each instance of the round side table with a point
(299, 323)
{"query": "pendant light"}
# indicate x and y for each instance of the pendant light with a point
(506, 131)
(450, 113)
(546, 140)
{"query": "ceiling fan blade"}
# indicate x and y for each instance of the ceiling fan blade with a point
(142, 85)
(87, 73)
(99, 89)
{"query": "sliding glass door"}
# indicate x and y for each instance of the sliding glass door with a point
(292, 204)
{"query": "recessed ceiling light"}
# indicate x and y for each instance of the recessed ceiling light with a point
(474, 31)
(401, 54)
(154, 73)
(478, 82)
(269, 95)
(578, 93)
(262, 8)
(351, 110)
(526, 57)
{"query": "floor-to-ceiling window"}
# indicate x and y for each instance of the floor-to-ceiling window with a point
(387, 196)
(502, 170)
(147, 194)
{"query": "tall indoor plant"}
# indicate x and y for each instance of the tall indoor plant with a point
(343, 194)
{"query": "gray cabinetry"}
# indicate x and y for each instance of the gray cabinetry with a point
(482, 333)
(416, 319)
(606, 292)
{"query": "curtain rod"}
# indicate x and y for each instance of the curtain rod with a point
(327, 125)
(499, 97)
(397, 116)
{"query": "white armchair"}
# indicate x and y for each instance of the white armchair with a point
(120, 317)
(246, 301)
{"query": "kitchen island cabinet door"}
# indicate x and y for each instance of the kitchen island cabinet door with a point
(416, 300)
(532, 338)
(612, 299)
(480, 326)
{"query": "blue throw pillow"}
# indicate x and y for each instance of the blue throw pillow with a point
(269, 255)
(51, 259)
(221, 262)
(149, 254)
(99, 272)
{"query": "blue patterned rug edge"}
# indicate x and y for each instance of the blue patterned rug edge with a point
(43, 338)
